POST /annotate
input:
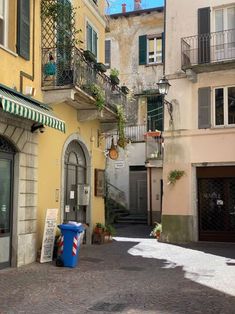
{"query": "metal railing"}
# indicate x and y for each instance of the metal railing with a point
(208, 48)
(154, 146)
(68, 67)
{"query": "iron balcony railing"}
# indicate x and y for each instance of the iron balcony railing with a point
(208, 48)
(154, 145)
(68, 67)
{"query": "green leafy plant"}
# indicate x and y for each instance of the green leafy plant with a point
(114, 72)
(122, 141)
(98, 93)
(110, 230)
(114, 76)
(156, 232)
(175, 175)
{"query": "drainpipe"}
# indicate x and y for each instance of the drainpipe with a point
(124, 8)
(150, 197)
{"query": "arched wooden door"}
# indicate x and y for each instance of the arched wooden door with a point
(75, 175)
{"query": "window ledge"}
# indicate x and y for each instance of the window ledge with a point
(153, 64)
(9, 51)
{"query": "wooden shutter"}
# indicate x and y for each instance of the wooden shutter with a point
(204, 108)
(23, 29)
(142, 49)
(95, 41)
(203, 40)
(163, 47)
(108, 53)
(89, 37)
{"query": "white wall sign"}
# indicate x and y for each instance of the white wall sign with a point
(119, 164)
(83, 194)
(49, 235)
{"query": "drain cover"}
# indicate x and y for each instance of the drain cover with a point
(132, 268)
(108, 307)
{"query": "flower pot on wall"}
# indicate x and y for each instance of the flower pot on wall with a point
(125, 89)
(89, 56)
(114, 79)
(100, 67)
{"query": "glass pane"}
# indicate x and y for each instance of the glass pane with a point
(159, 44)
(231, 18)
(219, 20)
(219, 106)
(231, 105)
(73, 158)
(151, 50)
(5, 195)
(1, 8)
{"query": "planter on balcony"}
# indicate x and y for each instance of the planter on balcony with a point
(50, 68)
(114, 79)
(100, 67)
(89, 56)
(125, 89)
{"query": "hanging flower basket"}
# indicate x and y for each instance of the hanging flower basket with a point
(114, 79)
(100, 67)
(89, 56)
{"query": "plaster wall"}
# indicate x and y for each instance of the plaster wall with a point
(124, 35)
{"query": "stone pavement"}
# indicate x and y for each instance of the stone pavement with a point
(126, 276)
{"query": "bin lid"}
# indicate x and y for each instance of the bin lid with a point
(71, 227)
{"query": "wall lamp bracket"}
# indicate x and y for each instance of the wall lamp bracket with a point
(169, 107)
(37, 126)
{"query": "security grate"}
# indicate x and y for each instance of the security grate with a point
(216, 198)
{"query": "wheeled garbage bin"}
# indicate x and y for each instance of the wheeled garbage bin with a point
(71, 236)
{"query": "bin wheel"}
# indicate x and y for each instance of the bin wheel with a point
(59, 262)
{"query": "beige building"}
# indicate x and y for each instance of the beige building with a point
(134, 46)
(200, 65)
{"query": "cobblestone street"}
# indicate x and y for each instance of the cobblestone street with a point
(115, 278)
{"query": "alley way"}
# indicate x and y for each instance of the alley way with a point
(133, 274)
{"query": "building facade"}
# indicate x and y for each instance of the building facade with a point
(200, 65)
(134, 46)
(21, 112)
(72, 164)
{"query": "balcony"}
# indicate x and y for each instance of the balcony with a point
(209, 52)
(154, 149)
(68, 76)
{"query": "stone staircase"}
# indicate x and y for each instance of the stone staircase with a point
(133, 218)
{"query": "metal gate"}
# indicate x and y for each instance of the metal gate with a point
(216, 204)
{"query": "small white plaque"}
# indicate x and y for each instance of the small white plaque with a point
(67, 208)
(119, 164)
(72, 195)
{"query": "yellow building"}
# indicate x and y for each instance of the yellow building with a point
(20, 115)
(71, 164)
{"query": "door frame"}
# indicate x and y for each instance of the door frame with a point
(9, 156)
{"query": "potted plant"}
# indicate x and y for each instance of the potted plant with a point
(100, 67)
(114, 76)
(175, 175)
(98, 93)
(99, 228)
(125, 89)
(89, 56)
(156, 232)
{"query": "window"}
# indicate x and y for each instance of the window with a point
(154, 52)
(155, 113)
(151, 49)
(107, 53)
(224, 106)
(92, 39)
(3, 22)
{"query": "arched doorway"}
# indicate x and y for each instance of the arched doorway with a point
(75, 170)
(7, 152)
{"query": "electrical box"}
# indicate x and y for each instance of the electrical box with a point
(83, 194)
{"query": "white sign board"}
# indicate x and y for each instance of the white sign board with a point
(83, 194)
(119, 164)
(49, 235)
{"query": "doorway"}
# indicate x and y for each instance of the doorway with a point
(6, 201)
(138, 190)
(75, 176)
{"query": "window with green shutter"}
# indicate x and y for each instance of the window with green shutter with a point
(92, 39)
(142, 49)
(151, 49)
(108, 54)
(23, 29)
(155, 113)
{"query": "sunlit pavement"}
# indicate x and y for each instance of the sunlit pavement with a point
(133, 274)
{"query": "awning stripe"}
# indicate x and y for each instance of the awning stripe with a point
(21, 107)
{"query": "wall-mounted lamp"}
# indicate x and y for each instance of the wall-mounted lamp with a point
(37, 126)
(163, 87)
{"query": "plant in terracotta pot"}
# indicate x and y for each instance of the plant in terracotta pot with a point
(175, 175)
(156, 232)
(99, 228)
(114, 76)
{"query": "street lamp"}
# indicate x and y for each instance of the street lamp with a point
(163, 87)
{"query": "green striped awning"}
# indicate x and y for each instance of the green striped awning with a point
(22, 106)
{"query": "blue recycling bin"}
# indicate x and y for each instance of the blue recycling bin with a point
(71, 235)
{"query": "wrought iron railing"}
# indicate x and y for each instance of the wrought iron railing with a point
(208, 48)
(154, 146)
(63, 66)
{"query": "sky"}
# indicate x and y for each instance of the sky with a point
(116, 5)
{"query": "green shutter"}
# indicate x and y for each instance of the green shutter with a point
(95, 40)
(89, 37)
(142, 49)
(163, 47)
(23, 29)
(204, 108)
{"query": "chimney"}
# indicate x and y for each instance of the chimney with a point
(137, 5)
(124, 8)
